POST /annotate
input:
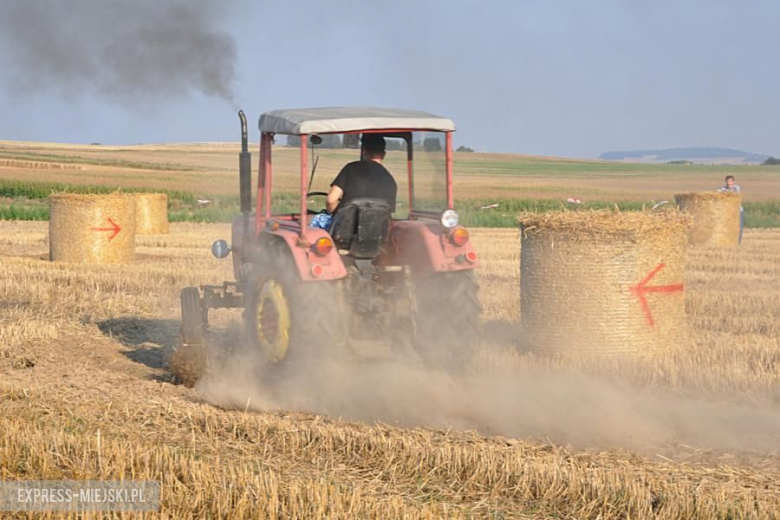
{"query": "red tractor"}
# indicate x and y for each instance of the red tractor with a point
(309, 292)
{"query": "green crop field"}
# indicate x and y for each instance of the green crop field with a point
(502, 184)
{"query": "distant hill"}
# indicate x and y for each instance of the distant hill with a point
(695, 155)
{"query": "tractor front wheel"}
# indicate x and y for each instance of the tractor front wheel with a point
(447, 319)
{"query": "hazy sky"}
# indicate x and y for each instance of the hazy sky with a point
(567, 78)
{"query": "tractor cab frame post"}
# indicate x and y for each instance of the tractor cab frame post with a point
(265, 178)
(304, 172)
(448, 159)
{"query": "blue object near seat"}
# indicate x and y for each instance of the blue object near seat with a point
(321, 221)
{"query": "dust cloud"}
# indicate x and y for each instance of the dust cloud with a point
(567, 409)
(141, 51)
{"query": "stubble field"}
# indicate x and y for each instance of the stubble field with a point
(85, 391)
(692, 433)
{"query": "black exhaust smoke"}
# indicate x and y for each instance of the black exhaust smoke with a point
(142, 51)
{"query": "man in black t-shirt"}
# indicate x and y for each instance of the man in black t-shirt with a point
(366, 178)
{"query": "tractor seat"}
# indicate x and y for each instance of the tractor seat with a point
(361, 227)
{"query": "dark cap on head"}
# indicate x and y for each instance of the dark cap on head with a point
(373, 143)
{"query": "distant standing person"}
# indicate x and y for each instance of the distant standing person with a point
(732, 187)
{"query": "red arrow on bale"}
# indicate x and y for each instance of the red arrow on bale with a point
(641, 289)
(114, 229)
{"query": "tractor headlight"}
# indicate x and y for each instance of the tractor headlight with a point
(449, 218)
(220, 249)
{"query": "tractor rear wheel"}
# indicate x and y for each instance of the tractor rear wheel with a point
(447, 319)
(295, 325)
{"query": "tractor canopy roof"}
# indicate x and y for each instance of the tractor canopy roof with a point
(300, 121)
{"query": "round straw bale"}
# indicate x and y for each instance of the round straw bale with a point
(151, 213)
(715, 217)
(602, 282)
(98, 229)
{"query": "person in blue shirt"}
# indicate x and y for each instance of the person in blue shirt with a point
(731, 186)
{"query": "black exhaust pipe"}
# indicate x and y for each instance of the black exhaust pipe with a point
(245, 169)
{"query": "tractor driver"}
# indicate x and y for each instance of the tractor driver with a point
(364, 178)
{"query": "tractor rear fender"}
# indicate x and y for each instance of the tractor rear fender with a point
(427, 248)
(310, 265)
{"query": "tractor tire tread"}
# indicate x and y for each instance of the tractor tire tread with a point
(448, 319)
(191, 316)
(316, 332)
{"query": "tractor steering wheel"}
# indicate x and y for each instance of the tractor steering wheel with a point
(315, 194)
